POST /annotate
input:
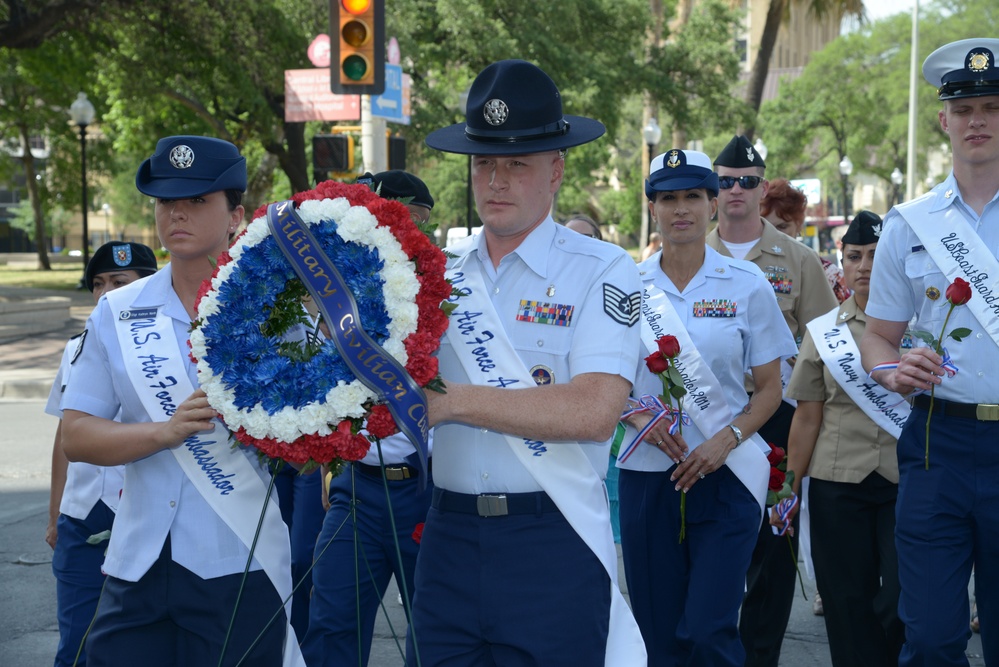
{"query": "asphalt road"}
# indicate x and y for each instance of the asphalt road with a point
(27, 588)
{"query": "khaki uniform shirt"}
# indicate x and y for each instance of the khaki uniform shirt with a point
(850, 445)
(795, 272)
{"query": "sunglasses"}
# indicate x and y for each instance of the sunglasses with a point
(745, 182)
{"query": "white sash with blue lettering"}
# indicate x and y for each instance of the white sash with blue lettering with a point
(840, 354)
(220, 473)
(562, 470)
(959, 253)
(705, 401)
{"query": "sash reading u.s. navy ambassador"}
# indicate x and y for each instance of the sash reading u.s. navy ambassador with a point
(947, 515)
(517, 563)
(191, 502)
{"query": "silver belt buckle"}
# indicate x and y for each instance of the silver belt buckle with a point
(491, 505)
(987, 412)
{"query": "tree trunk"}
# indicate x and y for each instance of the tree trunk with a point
(41, 238)
(761, 66)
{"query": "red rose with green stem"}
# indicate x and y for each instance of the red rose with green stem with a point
(663, 364)
(958, 293)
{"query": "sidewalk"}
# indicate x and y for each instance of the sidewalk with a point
(29, 360)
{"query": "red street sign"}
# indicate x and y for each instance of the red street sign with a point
(307, 96)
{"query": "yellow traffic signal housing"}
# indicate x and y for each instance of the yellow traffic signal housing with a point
(357, 38)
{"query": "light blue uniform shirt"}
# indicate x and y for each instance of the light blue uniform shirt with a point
(158, 498)
(754, 335)
(903, 274)
(552, 265)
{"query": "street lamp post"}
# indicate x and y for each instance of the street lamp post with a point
(845, 169)
(651, 134)
(896, 183)
(82, 113)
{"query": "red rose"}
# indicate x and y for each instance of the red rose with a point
(418, 533)
(959, 292)
(656, 362)
(669, 346)
(776, 455)
(777, 478)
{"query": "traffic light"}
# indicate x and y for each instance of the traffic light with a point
(357, 38)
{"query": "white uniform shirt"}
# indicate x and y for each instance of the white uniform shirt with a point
(552, 265)
(755, 335)
(903, 274)
(85, 482)
(395, 449)
(158, 498)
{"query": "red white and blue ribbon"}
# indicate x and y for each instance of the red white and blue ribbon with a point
(783, 510)
(660, 412)
(950, 368)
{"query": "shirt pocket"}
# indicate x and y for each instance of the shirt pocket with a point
(546, 346)
(928, 286)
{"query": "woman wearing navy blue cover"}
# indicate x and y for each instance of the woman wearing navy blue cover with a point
(686, 595)
(175, 562)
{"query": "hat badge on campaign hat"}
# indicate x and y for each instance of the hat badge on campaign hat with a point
(965, 68)
(680, 170)
(514, 108)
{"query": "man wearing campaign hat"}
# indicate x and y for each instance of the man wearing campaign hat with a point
(948, 498)
(517, 563)
(796, 274)
(83, 497)
(181, 538)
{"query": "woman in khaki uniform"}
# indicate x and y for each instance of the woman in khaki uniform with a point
(843, 435)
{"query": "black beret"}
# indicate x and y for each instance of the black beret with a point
(864, 230)
(738, 154)
(399, 184)
(120, 256)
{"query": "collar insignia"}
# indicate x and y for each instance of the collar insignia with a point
(948, 194)
(777, 249)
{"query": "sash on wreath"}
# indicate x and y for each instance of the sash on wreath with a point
(840, 354)
(563, 470)
(705, 404)
(220, 472)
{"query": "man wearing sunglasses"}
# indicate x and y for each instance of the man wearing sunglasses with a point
(803, 294)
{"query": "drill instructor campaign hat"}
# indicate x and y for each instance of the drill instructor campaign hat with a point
(966, 68)
(189, 166)
(514, 108)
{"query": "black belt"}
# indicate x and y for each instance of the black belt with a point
(985, 412)
(494, 504)
(394, 473)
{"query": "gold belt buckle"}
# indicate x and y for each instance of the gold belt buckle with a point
(396, 474)
(987, 412)
(491, 505)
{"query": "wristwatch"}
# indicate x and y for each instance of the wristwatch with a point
(737, 432)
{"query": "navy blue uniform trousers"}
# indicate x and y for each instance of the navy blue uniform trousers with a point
(947, 519)
(173, 617)
(77, 569)
(355, 560)
(507, 591)
(686, 596)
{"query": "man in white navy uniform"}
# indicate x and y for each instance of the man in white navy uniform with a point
(517, 564)
(947, 515)
(181, 537)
